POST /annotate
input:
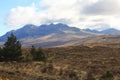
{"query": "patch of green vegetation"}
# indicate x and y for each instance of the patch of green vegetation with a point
(11, 51)
(37, 54)
(108, 76)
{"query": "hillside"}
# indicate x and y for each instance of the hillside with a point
(101, 39)
(67, 63)
(98, 39)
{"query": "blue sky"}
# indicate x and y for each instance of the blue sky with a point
(5, 7)
(93, 14)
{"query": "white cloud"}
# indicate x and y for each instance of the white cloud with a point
(20, 15)
(103, 7)
(80, 13)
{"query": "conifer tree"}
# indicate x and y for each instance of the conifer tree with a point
(12, 49)
(40, 55)
(37, 54)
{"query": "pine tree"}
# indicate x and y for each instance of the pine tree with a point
(37, 54)
(12, 49)
(40, 55)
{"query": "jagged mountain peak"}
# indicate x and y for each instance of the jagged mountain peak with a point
(54, 34)
(33, 31)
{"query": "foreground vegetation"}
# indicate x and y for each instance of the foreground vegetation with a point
(66, 63)
(11, 51)
(85, 62)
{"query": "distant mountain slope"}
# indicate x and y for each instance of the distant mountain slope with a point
(107, 39)
(99, 39)
(32, 31)
(61, 35)
(110, 31)
(47, 35)
(106, 31)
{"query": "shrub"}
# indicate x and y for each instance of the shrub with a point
(33, 52)
(37, 54)
(90, 75)
(70, 74)
(108, 76)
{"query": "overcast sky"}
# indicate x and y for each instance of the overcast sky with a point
(94, 14)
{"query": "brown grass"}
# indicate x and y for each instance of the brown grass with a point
(66, 63)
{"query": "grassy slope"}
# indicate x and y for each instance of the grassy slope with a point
(69, 40)
(66, 61)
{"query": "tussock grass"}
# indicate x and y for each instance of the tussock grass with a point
(66, 63)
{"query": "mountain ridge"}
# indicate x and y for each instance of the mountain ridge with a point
(57, 35)
(106, 31)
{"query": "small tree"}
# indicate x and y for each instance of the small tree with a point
(40, 56)
(37, 54)
(12, 49)
(33, 52)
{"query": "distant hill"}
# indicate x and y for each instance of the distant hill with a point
(106, 31)
(102, 39)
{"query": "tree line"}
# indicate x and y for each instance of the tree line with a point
(12, 51)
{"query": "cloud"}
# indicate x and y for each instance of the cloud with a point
(79, 13)
(20, 15)
(103, 7)
(99, 26)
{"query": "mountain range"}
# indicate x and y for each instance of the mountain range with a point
(106, 31)
(60, 35)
